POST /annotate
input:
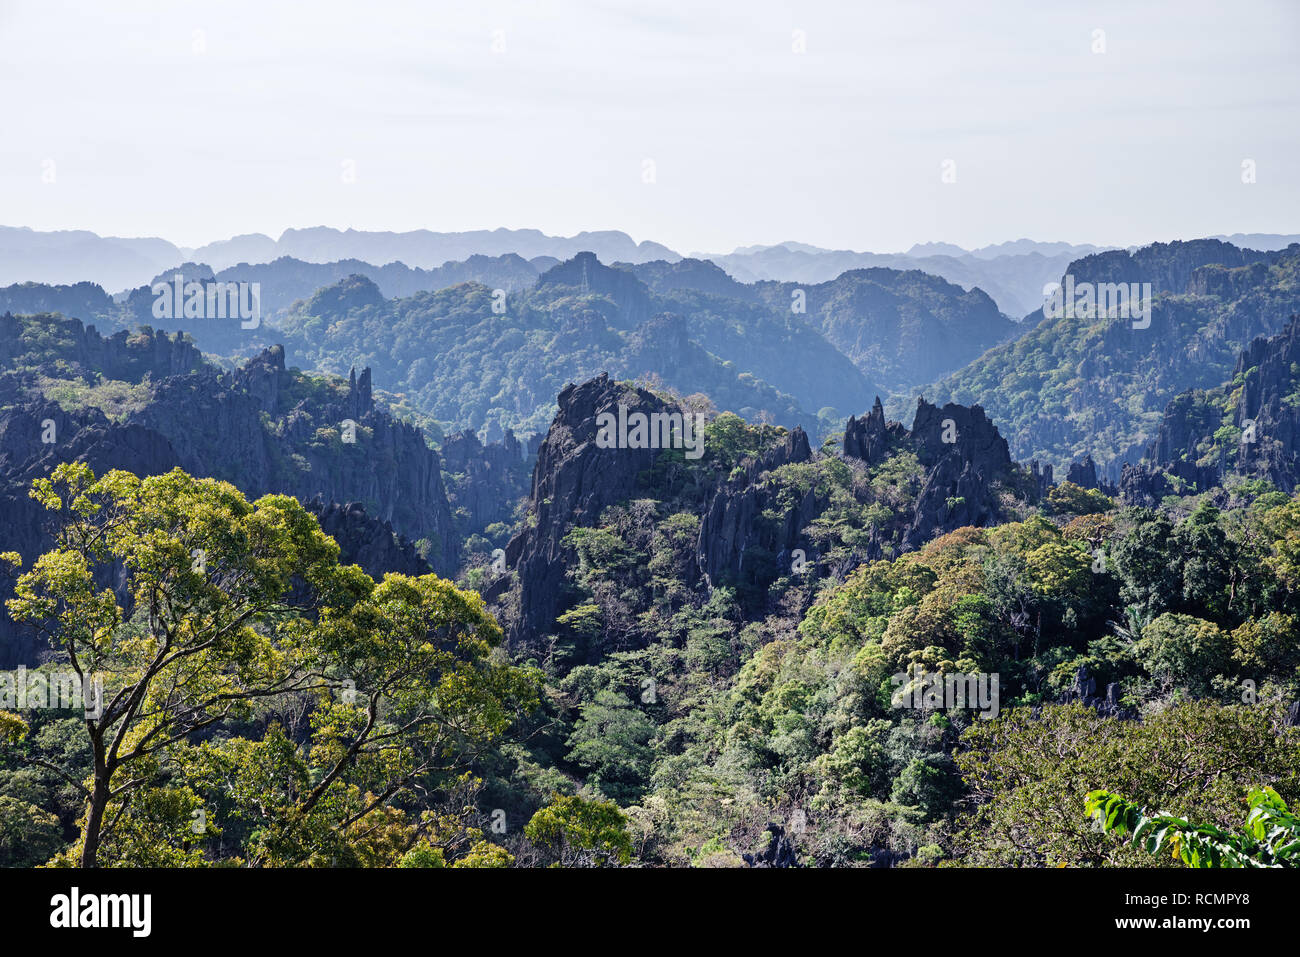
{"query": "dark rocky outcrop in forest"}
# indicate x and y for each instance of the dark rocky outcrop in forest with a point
(573, 482)
(778, 853)
(871, 437)
(962, 452)
(1084, 691)
(749, 525)
(1250, 426)
(366, 541)
(484, 482)
(1083, 473)
(732, 524)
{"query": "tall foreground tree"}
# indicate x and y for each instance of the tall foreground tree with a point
(224, 607)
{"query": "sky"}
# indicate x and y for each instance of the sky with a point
(701, 125)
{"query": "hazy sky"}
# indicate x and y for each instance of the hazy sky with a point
(198, 121)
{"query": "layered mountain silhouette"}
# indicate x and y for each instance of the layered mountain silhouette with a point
(1012, 273)
(68, 257)
(490, 351)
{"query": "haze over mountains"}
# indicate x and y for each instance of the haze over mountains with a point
(487, 343)
(793, 354)
(1013, 273)
(114, 263)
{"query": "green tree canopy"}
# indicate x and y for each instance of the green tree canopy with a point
(229, 613)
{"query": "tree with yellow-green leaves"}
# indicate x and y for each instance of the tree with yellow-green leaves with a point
(229, 615)
(579, 832)
(12, 727)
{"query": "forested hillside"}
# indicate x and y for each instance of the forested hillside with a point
(1092, 384)
(712, 676)
(488, 343)
(714, 681)
(460, 360)
(900, 328)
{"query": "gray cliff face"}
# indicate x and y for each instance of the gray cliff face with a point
(36, 434)
(573, 482)
(264, 429)
(87, 436)
(1189, 453)
(734, 527)
(366, 541)
(242, 427)
(83, 436)
(1269, 381)
(485, 482)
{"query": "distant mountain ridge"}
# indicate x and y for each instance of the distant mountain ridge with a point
(1014, 280)
(286, 280)
(73, 256)
(281, 284)
(67, 257)
(1013, 273)
(424, 249)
